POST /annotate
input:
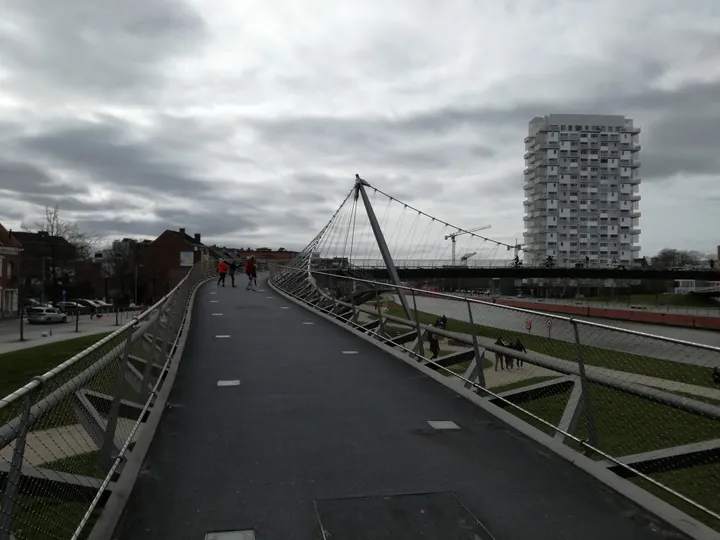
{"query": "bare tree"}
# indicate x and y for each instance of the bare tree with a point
(676, 258)
(54, 225)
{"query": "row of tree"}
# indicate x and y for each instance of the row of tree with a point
(678, 258)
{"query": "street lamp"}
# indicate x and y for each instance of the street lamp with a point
(136, 282)
(42, 282)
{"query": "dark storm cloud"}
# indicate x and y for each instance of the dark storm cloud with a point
(108, 153)
(111, 47)
(19, 177)
(680, 130)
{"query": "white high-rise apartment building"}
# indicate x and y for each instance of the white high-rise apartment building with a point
(582, 189)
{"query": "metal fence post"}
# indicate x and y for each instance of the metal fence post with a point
(151, 362)
(14, 475)
(381, 326)
(420, 339)
(108, 446)
(77, 319)
(117, 316)
(354, 309)
(586, 402)
(478, 358)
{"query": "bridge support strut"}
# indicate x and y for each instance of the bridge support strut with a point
(380, 238)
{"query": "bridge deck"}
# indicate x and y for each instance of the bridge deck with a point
(308, 424)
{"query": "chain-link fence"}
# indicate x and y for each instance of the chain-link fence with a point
(647, 407)
(65, 434)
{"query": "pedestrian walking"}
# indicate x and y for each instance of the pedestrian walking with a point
(222, 269)
(251, 272)
(232, 267)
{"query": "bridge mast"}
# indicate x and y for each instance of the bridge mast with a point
(380, 238)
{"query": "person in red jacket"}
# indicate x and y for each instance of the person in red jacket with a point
(251, 272)
(222, 269)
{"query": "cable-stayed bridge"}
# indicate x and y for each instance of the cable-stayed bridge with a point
(329, 404)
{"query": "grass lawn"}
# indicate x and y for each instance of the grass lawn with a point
(44, 518)
(596, 356)
(17, 368)
(627, 424)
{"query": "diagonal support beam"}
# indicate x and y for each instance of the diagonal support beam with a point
(380, 238)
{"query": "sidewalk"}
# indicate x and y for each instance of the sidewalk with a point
(39, 334)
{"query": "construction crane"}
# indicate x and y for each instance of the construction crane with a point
(464, 258)
(454, 235)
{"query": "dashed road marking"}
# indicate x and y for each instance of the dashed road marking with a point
(443, 424)
(223, 336)
(284, 307)
(231, 535)
(308, 322)
(269, 297)
(234, 382)
(214, 301)
(217, 314)
(213, 292)
(349, 352)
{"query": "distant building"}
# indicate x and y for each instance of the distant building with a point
(43, 252)
(582, 188)
(10, 250)
(168, 258)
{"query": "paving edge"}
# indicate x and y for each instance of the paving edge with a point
(654, 505)
(106, 526)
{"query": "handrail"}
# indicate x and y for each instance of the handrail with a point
(524, 310)
(43, 379)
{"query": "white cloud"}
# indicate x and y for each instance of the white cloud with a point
(248, 120)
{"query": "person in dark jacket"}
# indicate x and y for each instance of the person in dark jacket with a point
(231, 270)
(251, 272)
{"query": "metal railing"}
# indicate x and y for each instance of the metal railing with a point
(65, 435)
(645, 406)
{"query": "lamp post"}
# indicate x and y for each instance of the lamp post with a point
(135, 297)
(42, 280)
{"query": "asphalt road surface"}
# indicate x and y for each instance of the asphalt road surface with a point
(324, 424)
(498, 317)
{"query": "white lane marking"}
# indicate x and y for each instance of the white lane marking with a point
(217, 314)
(235, 382)
(349, 352)
(213, 292)
(284, 307)
(231, 535)
(269, 297)
(443, 424)
(222, 336)
(214, 301)
(308, 322)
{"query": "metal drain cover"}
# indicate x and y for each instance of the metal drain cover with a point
(399, 517)
(231, 535)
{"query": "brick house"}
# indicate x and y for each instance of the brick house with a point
(168, 258)
(10, 249)
(41, 251)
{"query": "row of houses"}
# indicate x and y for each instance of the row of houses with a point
(47, 267)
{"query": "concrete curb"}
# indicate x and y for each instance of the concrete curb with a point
(107, 524)
(659, 508)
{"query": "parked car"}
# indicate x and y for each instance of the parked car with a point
(45, 315)
(67, 306)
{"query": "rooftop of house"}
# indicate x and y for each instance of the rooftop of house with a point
(8, 240)
(40, 237)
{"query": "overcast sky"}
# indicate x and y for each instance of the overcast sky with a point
(246, 120)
